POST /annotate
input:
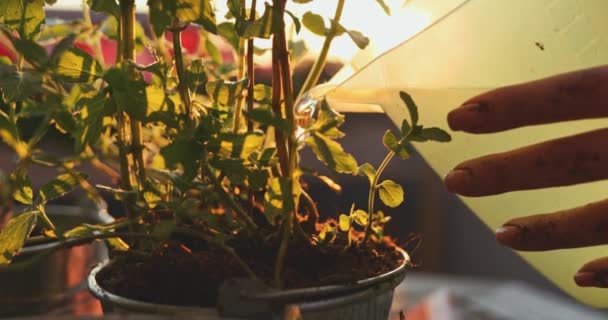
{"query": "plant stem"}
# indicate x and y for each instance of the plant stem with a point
(238, 112)
(319, 64)
(250, 68)
(280, 52)
(231, 202)
(128, 15)
(276, 107)
(373, 187)
(184, 92)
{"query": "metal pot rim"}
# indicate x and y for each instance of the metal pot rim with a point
(275, 296)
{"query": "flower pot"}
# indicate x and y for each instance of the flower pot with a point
(367, 299)
(52, 281)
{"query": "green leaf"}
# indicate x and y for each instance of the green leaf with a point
(327, 233)
(213, 51)
(344, 222)
(32, 12)
(281, 197)
(405, 128)
(109, 7)
(358, 38)
(197, 11)
(31, 51)
(129, 94)
(360, 217)
(183, 151)
(75, 65)
(21, 186)
(384, 6)
(262, 93)
(315, 23)
(14, 234)
(331, 153)
(8, 131)
(262, 27)
(296, 21)
(64, 121)
(58, 187)
(391, 142)
(328, 121)
(196, 75)
(369, 171)
(18, 85)
(64, 44)
(90, 126)
(390, 193)
(258, 179)
(162, 13)
(227, 30)
(230, 145)
(411, 107)
(226, 92)
(266, 116)
(435, 134)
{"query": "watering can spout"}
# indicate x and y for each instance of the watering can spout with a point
(460, 48)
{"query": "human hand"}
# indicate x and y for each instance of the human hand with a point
(559, 162)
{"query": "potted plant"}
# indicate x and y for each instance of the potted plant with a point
(34, 110)
(206, 163)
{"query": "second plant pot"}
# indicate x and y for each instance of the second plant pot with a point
(51, 281)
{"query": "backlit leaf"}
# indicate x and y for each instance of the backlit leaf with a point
(129, 93)
(105, 6)
(393, 144)
(226, 92)
(411, 107)
(262, 93)
(360, 217)
(368, 170)
(75, 65)
(12, 12)
(18, 85)
(14, 234)
(90, 126)
(21, 186)
(390, 193)
(315, 23)
(331, 153)
(58, 187)
(281, 197)
(358, 38)
(434, 134)
(230, 145)
(262, 27)
(344, 222)
(196, 75)
(384, 6)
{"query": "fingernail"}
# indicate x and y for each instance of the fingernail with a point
(591, 279)
(508, 235)
(584, 279)
(457, 180)
(457, 117)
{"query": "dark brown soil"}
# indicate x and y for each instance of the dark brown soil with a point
(180, 275)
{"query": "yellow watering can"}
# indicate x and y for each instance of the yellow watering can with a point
(456, 49)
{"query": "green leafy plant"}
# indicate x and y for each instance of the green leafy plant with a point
(198, 149)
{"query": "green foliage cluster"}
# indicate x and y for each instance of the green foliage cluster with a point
(196, 146)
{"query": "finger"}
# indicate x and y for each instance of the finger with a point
(576, 95)
(593, 274)
(560, 162)
(577, 227)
